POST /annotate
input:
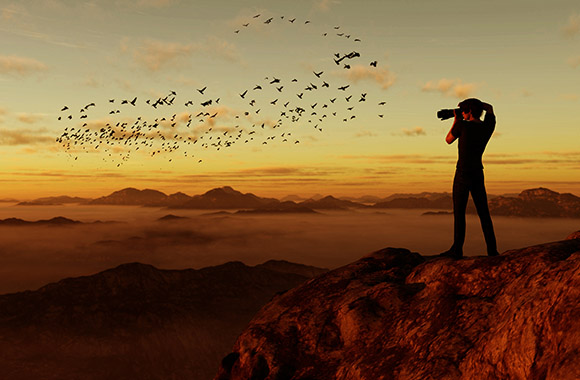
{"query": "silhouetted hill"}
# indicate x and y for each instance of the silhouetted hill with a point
(136, 321)
(330, 203)
(56, 221)
(132, 197)
(395, 314)
(54, 201)
(225, 198)
(171, 217)
(540, 202)
(365, 199)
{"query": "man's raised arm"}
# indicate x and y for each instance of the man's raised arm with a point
(488, 108)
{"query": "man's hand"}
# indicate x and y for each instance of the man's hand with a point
(488, 108)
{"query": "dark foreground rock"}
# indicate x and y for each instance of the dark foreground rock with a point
(397, 315)
(136, 321)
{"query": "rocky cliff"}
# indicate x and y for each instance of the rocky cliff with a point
(398, 315)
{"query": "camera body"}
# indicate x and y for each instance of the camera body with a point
(448, 114)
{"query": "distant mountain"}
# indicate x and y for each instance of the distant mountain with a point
(539, 202)
(136, 321)
(54, 201)
(330, 203)
(428, 195)
(8, 200)
(443, 203)
(132, 197)
(288, 267)
(225, 198)
(287, 207)
(366, 199)
(171, 217)
(57, 221)
(292, 198)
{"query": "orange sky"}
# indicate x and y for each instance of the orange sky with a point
(523, 57)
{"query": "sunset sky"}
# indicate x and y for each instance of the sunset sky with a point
(522, 56)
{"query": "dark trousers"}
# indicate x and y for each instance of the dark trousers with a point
(463, 184)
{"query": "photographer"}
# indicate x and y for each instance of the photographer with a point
(473, 135)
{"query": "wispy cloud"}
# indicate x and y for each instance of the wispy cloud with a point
(155, 55)
(572, 28)
(324, 5)
(366, 134)
(11, 137)
(402, 158)
(574, 61)
(30, 118)
(379, 75)
(21, 66)
(156, 3)
(451, 87)
(416, 131)
(10, 12)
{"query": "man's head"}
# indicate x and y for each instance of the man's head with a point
(473, 105)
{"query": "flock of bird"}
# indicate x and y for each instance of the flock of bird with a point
(213, 124)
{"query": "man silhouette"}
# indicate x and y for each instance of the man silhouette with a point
(473, 135)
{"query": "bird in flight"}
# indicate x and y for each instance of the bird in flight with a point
(202, 90)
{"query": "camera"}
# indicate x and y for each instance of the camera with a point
(448, 114)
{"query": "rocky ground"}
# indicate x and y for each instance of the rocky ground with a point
(398, 315)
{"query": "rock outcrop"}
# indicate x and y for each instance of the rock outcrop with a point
(398, 315)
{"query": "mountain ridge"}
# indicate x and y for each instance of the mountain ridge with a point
(136, 321)
(537, 202)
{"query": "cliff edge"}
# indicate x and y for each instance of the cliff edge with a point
(395, 314)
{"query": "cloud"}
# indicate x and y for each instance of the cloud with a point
(156, 3)
(380, 75)
(156, 55)
(569, 97)
(573, 26)
(10, 12)
(92, 82)
(404, 158)
(21, 66)
(417, 131)
(29, 118)
(324, 5)
(451, 87)
(221, 49)
(10, 137)
(366, 134)
(574, 61)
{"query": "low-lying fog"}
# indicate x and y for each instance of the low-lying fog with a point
(32, 256)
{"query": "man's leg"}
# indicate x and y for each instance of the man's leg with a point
(479, 196)
(460, 197)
